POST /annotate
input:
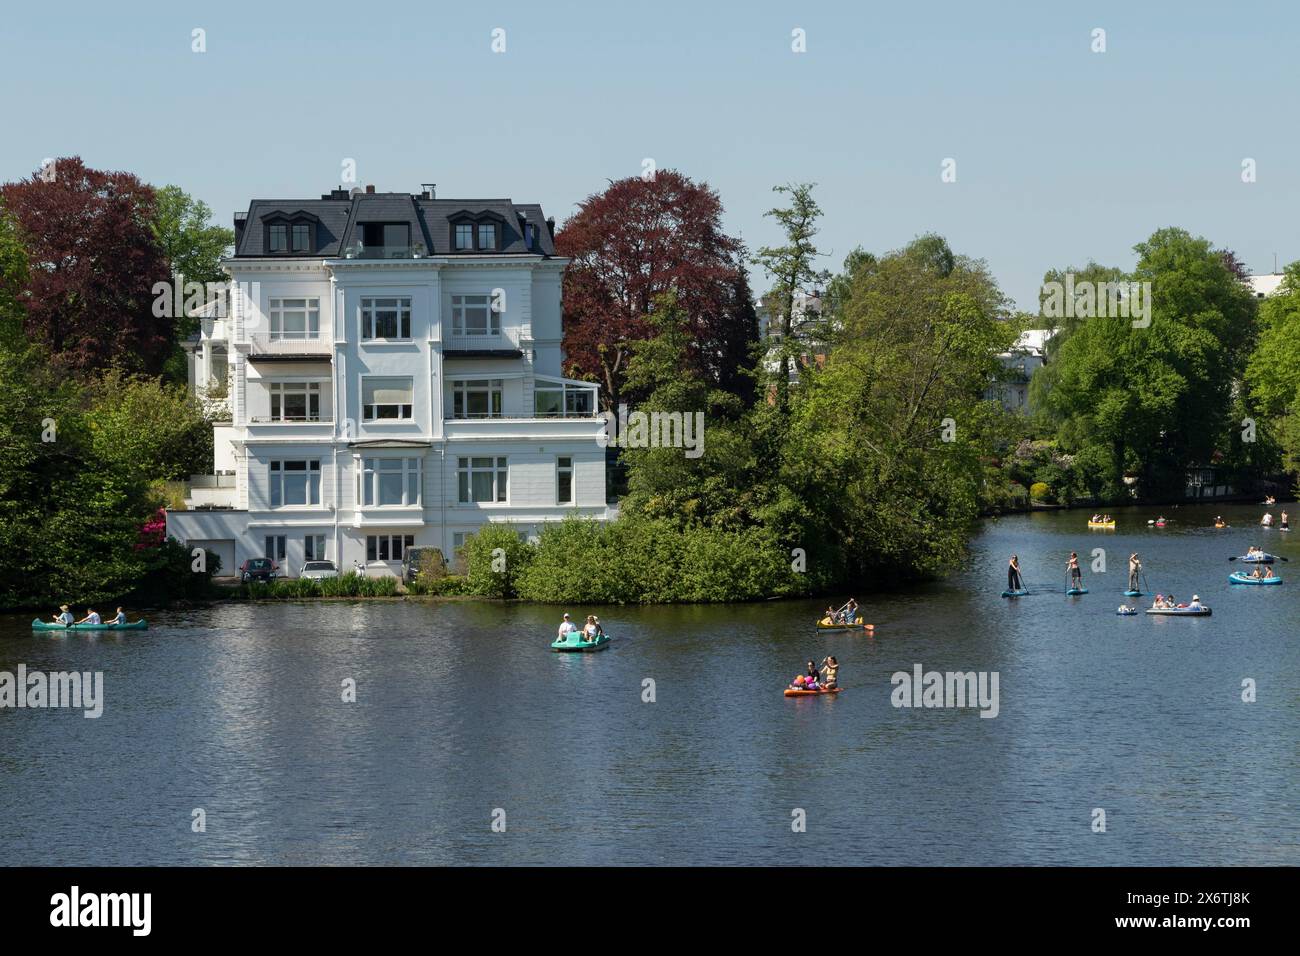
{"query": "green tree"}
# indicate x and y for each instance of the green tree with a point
(497, 558)
(193, 245)
(151, 429)
(1273, 370)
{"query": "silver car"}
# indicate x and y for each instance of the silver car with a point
(318, 570)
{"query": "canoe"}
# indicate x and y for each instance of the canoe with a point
(1014, 593)
(573, 644)
(39, 625)
(1261, 559)
(1077, 591)
(791, 692)
(1236, 577)
(1180, 611)
(1101, 524)
(1132, 593)
(844, 627)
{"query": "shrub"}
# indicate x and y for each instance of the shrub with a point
(497, 559)
(1038, 491)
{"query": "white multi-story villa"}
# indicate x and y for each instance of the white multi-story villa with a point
(391, 365)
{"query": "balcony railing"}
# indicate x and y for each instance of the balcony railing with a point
(290, 420)
(289, 343)
(505, 341)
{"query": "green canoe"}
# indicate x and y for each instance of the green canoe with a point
(573, 642)
(39, 625)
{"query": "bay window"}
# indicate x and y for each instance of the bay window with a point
(481, 480)
(390, 482)
(386, 399)
(476, 398)
(563, 400)
(295, 483)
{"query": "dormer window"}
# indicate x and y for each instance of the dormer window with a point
(487, 236)
(464, 237)
(302, 237)
(472, 232)
(278, 238)
(287, 234)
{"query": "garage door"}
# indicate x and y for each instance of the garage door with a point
(224, 548)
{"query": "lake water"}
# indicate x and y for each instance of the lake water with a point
(462, 709)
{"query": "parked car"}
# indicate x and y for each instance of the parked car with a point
(413, 557)
(258, 569)
(318, 570)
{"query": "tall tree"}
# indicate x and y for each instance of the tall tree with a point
(1273, 372)
(94, 261)
(191, 242)
(793, 268)
(632, 243)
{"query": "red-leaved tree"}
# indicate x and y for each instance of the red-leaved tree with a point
(630, 244)
(94, 261)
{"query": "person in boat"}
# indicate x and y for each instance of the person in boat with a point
(1267, 520)
(811, 677)
(830, 673)
(92, 617)
(1134, 570)
(567, 627)
(1076, 576)
(851, 612)
(64, 616)
(1014, 580)
(828, 615)
(590, 630)
(1196, 603)
(1270, 500)
(600, 630)
(1268, 572)
(1096, 519)
(119, 618)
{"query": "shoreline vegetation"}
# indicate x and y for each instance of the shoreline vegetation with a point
(856, 433)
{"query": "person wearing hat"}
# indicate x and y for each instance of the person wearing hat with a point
(1196, 603)
(600, 630)
(64, 616)
(567, 627)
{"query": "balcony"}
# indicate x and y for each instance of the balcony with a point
(289, 346)
(502, 345)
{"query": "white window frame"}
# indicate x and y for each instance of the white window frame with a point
(277, 389)
(372, 469)
(368, 409)
(277, 310)
(461, 388)
(561, 469)
(367, 310)
(460, 304)
(384, 543)
(567, 389)
(276, 472)
(498, 468)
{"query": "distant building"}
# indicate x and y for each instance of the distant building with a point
(1265, 285)
(812, 350)
(1023, 359)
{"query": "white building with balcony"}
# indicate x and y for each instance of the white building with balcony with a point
(393, 366)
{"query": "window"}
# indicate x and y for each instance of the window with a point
(278, 238)
(476, 398)
(301, 237)
(386, 398)
(313, 547)
(563, 400)
(295, 318)
(385, 240)
(464, 236)
(458, 540)
(388, 547)
(274, 547)
(530, 234)
(386, 318)
(295, 483)
(487, 236)
(564, 480)
(390, 481)
(474, 315)
(295, 401)
(481, 479)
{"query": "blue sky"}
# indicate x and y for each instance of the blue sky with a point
(1062, 154)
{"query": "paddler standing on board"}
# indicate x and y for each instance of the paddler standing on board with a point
(1014, 581)
(1134, 570)
(1076, 576)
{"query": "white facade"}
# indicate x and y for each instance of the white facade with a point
(1025, 358)
(382, 403)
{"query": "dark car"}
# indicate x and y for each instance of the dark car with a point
(258, 569)
(412, 559)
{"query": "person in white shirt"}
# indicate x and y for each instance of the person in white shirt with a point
(567, 627)
(92, 617)
(1196, 603)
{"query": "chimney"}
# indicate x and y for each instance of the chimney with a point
(430, 190)
(369, 189)
(336, 193)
